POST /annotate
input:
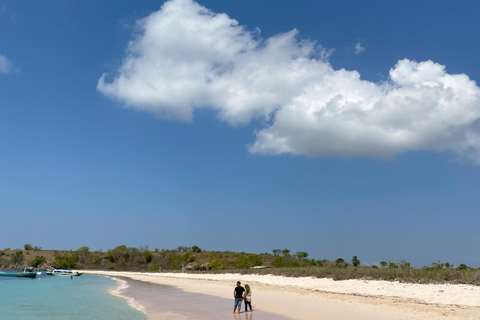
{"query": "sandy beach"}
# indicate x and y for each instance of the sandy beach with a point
(300, 298)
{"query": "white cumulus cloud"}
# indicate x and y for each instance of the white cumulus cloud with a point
(185, 57)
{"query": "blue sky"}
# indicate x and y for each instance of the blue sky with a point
(125, 122)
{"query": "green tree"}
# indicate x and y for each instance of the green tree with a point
(96, 259)
(28, 246)
(355, 261)
(286, 252)
(276, 252)
(383, 264)
(83, 254)
(437, 265)
(37, 261)
(339, 261)
(122, 254)
(301, 255)
(463, 266)
(196, 249)
(404, 264)
(83, 250)
(187, 257)
(148, 256)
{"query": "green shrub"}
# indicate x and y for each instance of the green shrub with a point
(278, 261)
(462, 267)
(179, 260)
(218, 264)
(152, 267)
(242, 262)
(65, 261)
(84, 255)
(37, 261)
(404, 264)
(285, 262)
(246, 261)
(96, 259)
(16, 257)
(148, 256)
(122, 254)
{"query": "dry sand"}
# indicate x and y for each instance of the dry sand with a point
(311, 298)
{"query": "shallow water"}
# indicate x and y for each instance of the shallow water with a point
(52, 298)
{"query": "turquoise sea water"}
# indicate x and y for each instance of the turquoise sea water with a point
(52, 298)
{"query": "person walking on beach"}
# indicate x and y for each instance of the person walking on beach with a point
(248, 298)
(238, 295)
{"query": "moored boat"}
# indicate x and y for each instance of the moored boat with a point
(63, 273)
(23, 274)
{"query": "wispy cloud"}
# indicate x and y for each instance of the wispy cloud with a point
(186, 57)
(359, 48)
(6, 65)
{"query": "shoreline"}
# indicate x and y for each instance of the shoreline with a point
(117, 292)
(349, 299)
(160, 302)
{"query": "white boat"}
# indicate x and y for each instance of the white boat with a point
(64, 273)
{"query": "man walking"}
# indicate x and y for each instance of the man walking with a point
(238, 295)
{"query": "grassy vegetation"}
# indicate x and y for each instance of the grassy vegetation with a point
(194, 259)
(413, 275)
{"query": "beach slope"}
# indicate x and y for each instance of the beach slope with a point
(312, 298)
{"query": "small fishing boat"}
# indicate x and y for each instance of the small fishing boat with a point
(23, 274)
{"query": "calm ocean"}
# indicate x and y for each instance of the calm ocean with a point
(52, 298)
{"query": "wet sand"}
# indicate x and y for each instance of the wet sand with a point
(168, 302)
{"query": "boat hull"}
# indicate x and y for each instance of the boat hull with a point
(19, 275)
